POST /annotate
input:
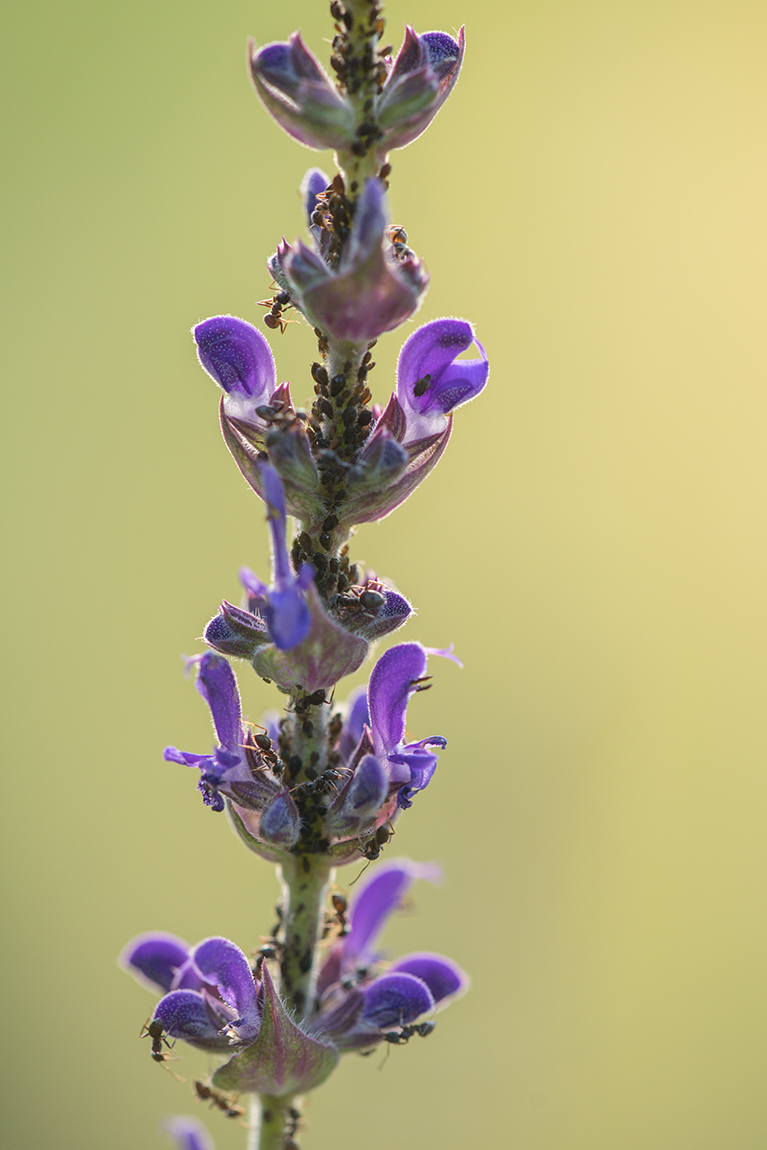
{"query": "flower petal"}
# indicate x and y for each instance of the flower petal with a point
(223, 965)
(396, 1000)
(188, 1133)
(444, 978)
(431, 381)
(153, 958)
(218, 687)
(185, 1015)
(391, 685)
(376, 900)
(357, 716)
(239, 359)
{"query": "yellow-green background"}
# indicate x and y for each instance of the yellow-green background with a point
(594, 197)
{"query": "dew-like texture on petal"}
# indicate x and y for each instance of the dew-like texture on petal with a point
(184, 1015)
(223, 965)
(444, 978)
(439, 47)
(218, 687)
(376, 900)
(155, 957)
(391, 685)
(237, 356)
(396, 1000)
(394, 612)
(189, 1133)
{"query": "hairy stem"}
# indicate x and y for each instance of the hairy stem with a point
(305, 879)
(362, 76)
(270, 1123)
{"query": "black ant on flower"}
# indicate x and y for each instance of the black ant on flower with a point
(273, 318)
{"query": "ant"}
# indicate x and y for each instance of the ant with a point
(273, 318)
(218, 1099)
(270, 949)
(403, 1036)
(155, 1030)
(398, 241)
(340, 906)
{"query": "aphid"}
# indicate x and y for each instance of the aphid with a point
(217, 1098)
(422, 386)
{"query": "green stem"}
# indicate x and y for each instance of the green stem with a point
(305, 879)
(269, 1123)
(362, 87)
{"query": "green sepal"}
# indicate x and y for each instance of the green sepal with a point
(283, 1060)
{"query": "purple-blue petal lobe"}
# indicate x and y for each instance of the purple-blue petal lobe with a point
(432, 381)
(357, 716)
(375, 901)
(189, 1133)
(184, 1015)
(391, 684)
(223, 965)
(288, 617)
(314, 182)
(396, 1000)
(156, 956)
(236, 356)
(439, 46)
(218, 687)
(444, 978)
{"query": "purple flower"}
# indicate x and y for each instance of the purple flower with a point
(283, 605)
(223, 1007)
(189, 1133)
(384, 771)
(360, 999)
(213, 1000)
(396, 677)
(421, 79)
(299, 94)
(431, 383)
(236, 769)
(372, 291)
(239, 359)
(256, 415)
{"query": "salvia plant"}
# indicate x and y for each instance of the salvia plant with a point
(321, 784)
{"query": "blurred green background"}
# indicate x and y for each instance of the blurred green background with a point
(593, 196)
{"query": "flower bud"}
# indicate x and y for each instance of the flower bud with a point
(421, 79)
(371, 292)
(300, 96)
(236, 632)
